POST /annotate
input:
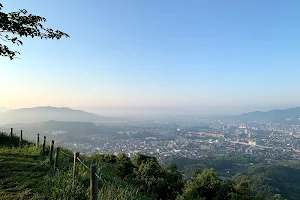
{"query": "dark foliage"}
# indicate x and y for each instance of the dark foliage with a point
(273, 182)
(14, 25)
(157, 182)
(14, 141)
(207, 185)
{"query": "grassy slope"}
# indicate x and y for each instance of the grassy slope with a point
(25, 174)
(21, 171)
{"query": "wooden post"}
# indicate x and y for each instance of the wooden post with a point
(21, 138)
(93, 183)
(76, 155)
(56, 158)
(44, 146)
(51, 151)
(11, 132)
(38, 140)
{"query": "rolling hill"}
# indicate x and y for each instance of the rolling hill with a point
(40, 114)
(291, 114)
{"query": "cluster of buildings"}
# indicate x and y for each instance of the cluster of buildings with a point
(197, 139)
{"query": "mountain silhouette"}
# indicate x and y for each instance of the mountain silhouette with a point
(272, 115)
(40, 114)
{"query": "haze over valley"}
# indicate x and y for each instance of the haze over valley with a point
(148, 100)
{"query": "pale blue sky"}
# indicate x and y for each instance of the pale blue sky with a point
(241, 55)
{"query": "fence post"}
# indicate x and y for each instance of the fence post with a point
(38, 140)
(56, 158)
(21, 138)
(93, 183)
(44, 146)
(11, 132)
(76, 155)
(51, 151)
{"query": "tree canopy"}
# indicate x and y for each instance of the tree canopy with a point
(18, 24)
(272, 181)
(207, 185)
(159, 182)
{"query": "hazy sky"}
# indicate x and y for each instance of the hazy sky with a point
(209, 54)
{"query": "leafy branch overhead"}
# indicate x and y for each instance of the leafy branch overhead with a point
(14, 25)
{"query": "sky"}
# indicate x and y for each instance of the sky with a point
(199, 56)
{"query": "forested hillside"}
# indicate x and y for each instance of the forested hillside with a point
(279, 180)
(267, 180)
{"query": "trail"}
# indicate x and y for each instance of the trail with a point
(21, 170)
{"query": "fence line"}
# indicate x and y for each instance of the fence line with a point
(84, 165)
(94, 177)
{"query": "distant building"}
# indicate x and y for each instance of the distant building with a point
(131, 155)
(205, 147)
(202, 134)
(154, 143)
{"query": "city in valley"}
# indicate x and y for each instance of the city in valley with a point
(194, 138)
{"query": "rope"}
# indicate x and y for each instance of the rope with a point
(66, 154)
(97, 176)
(82, 163)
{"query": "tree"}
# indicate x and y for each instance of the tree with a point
(124, 165)
(140, 159)
(203, 185)
(14, 25)
(207, 185)
(155, 181)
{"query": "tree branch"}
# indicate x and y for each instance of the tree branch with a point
(21, 23)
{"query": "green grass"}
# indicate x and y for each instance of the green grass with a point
(26, 174)
(21, 171)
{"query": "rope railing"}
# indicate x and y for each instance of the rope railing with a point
(85, 166)
(95, 176)
(93, 168)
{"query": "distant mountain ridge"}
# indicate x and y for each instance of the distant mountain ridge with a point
(40, 114)
(272, 115)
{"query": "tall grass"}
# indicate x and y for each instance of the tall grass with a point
(60, 185)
